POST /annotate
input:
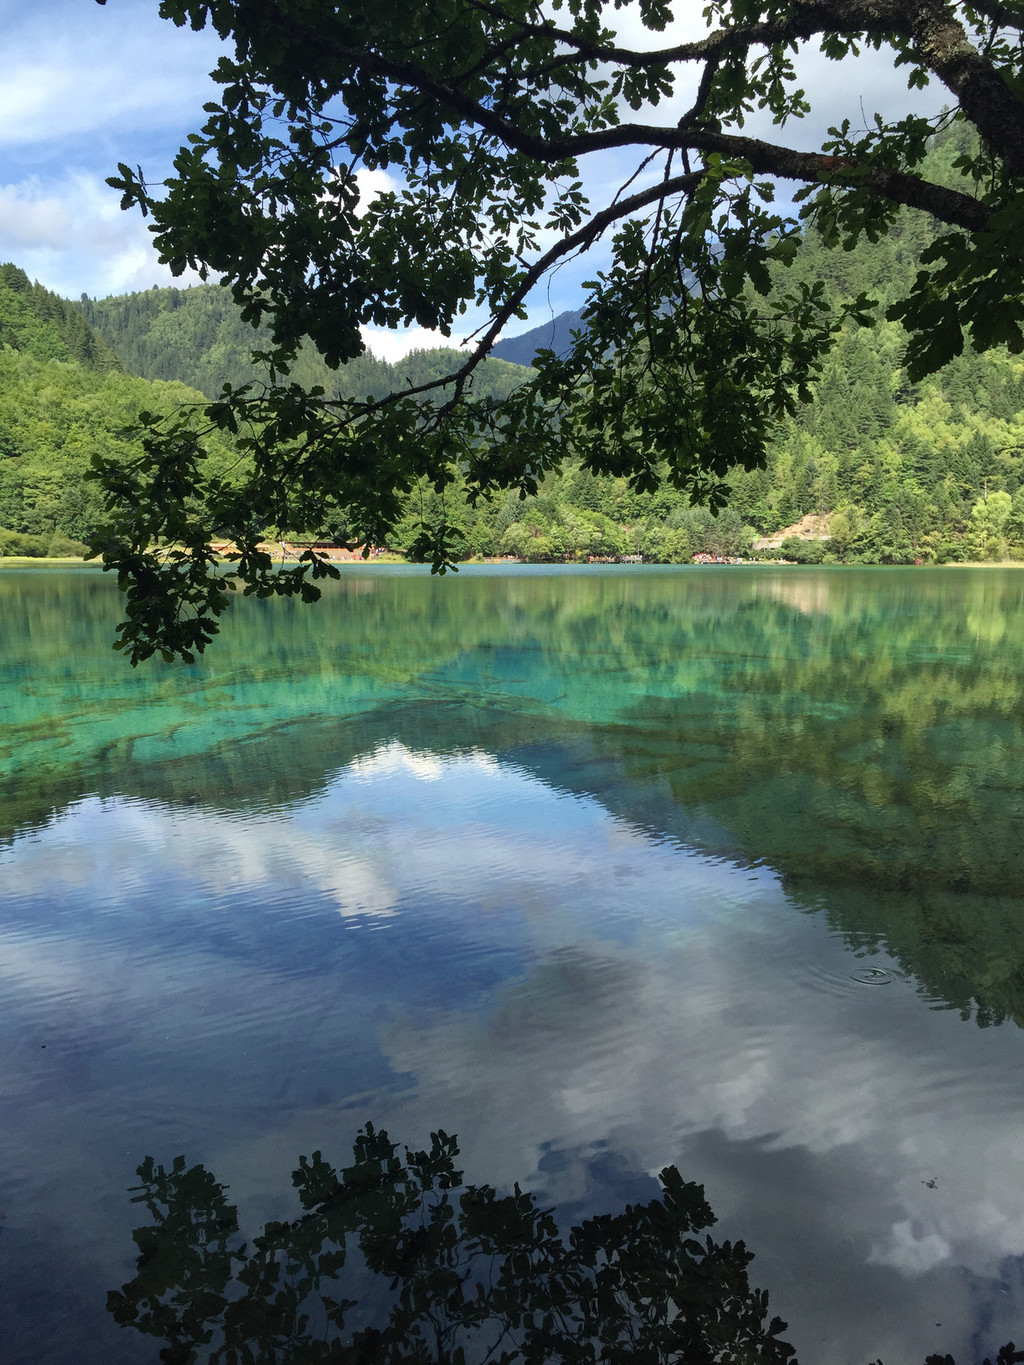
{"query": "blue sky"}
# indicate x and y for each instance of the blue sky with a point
(87, 86)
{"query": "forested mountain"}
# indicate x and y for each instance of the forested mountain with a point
(895, 471)
(197, 336)
(40, 324)
(892, 471)
(63, 398)
(929, 470)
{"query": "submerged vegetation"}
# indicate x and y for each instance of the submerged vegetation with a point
(854, 731)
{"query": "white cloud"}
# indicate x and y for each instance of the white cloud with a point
(72, 70)
(72, 236)
(32, 220)
(253, 853)
(390, 759)
(84, 88)
(374, 182)
(57, 100)
(911, 1250)
(394, 345)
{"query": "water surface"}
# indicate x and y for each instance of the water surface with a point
(600, 870)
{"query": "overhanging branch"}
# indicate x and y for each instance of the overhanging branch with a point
(579, 240)
(950, 206)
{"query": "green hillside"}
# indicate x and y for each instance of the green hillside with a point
(931, 470)
(41, 325)
(895, 471)
(63, 399)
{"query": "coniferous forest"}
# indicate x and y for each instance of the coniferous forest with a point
(876, 469)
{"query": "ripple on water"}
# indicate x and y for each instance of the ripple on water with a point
(875, 976)
(838, 982)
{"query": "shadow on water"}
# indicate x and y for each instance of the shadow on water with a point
(395, 1259)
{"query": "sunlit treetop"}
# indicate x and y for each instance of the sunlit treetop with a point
(484, 115)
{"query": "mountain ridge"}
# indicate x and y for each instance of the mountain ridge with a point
(197, 335)
(555, 335)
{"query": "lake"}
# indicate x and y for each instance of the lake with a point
(600, 870)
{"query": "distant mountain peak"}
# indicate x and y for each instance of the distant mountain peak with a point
(555, 335)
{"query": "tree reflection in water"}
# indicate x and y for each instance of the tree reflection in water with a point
(442, 1272)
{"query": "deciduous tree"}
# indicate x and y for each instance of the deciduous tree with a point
(484, 113)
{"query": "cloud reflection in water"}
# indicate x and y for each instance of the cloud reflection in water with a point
(449, 942)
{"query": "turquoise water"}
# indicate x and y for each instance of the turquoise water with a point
(601, 870)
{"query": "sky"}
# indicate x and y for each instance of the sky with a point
(87, 86)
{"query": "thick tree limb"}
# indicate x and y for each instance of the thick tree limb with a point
(950, 206)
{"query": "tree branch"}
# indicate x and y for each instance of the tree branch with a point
(958, 57)
(579, 240)
(984, 96)
(766, 158)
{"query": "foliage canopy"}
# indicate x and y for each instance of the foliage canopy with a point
(483, 114)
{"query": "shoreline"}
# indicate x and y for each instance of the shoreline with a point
(74, 561)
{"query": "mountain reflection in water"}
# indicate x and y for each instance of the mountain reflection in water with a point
(606, 872)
